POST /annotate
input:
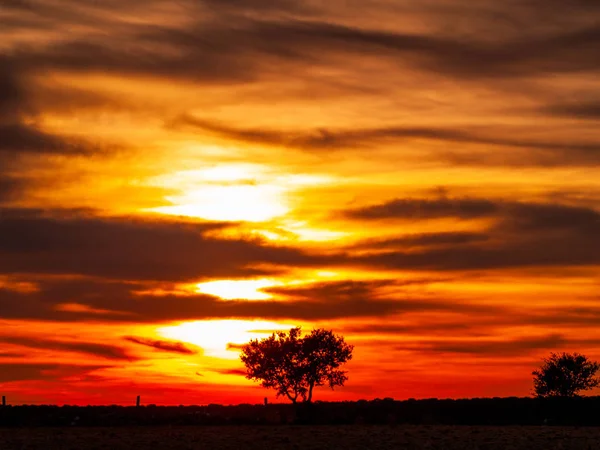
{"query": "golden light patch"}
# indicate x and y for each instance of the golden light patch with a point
(232, 192)
(227, 192)
(214, 336)
(237, 289)
(229, 203)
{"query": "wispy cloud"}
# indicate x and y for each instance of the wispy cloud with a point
(162, 345)
(90, 348)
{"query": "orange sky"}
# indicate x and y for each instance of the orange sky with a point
(177, 178)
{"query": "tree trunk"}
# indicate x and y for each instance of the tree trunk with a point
(310, 391)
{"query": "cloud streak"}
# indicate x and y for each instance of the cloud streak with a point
(162, 345)
(89, 348)
(131, 249)
(16, 372)
(522, 234)
(542, 152)
(317, 301)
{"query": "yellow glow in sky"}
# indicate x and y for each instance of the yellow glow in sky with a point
(237, 289)
(232, 203)
(213, 336)
(232, 192)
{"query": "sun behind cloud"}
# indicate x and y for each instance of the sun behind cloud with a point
(233, 192)
(214, 336)
(238, 289)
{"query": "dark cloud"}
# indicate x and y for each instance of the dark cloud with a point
(333, 290)
(19, 131)
(12, 97)
(90, 348)
(520, 215)
(538, 251)
(238, 42)
(260, 6)
(460, 325)
(238, 372)
(549, 155)
(12, 355)
(582, 110)
(322, 139)
(424, 240)
(484, 324)
(539, 217)
(192, 55)
(528, 151)
(522, 234)
(10, 372)
(569, 51)
(10, 188)
(133, 249)
(18, 138)
(165, 346)
(565, 316)
(224, 49)
(491, 348)
(122, 302)
(414, 208)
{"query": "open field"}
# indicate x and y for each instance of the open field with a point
(303, 437)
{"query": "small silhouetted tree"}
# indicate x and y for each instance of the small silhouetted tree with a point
(565, 375)
(293, 365)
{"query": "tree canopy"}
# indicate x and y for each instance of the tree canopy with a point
(565, 375)
(293, 365)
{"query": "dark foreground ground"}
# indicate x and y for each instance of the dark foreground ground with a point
(512, 411)
(344, 437)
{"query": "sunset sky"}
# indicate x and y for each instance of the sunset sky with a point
(178, 177)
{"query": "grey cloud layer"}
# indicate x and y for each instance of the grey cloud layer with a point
(162, 345)
(19, 132)
(525, 152)
(10, 372)
(119, 302)
(522, 234)
(229, 49)
(131, 249)
(252, 41)
(90, 348)
(235, 45)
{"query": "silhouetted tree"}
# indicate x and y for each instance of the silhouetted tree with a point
(293, 365)
(565, 375)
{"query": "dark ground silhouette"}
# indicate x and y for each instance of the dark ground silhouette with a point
(322, 437)
(582, 411)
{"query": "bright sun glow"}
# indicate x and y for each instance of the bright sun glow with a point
(214, 336)
(237, 289)
(232, 203)
(228, 192)
(232, 192)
